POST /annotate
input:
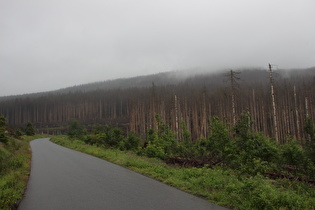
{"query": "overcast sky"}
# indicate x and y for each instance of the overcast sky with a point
(51, 44)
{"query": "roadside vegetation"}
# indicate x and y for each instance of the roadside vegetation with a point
(236, 167)
(15, 157)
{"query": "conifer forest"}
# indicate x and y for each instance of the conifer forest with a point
(278, 103)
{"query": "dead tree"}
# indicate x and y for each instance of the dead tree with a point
(233, 78)
(273, 104)
(296, 114)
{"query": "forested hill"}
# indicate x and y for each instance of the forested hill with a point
(177, 97)
(191, 77)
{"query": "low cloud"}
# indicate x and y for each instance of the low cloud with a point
(48, 45)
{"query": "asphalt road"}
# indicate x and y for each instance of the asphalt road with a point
(66, 179)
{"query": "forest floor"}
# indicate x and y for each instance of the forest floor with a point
(219, 185)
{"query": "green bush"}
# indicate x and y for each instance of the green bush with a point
(95, 139)
(29, 130)
(3, 137)
(18, 133)
(132, 142)
(165, 138)
(310, 143)
(76, 130)
(295, 155)
(114, 137)
(155, 151)
(252, 152)
(158, 146)
(309, 128)
(219, 141)
(3, 124)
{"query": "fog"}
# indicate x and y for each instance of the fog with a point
(47, 45)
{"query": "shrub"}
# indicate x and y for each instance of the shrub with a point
(114, 137)
(309, 128)
(310, 143)
(3, 122)
(95, 139)
(294, 154)
(161, 143)
(165, 137)
(76, 130)
(29, 130)
(132, 142)
(187, 148)
(154, 151)
(18, 133)
(252, 152)
(3, 137)
(219, 141)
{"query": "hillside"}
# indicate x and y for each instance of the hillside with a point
(177, 97)
(189, 77)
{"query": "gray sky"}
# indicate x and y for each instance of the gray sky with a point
(51, 44)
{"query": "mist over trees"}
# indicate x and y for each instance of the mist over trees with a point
(132, 104)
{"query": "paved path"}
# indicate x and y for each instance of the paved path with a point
(65, 179)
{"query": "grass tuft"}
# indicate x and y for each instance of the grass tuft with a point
(15, 160)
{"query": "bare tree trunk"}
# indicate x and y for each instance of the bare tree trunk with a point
(306, 106)
(233, 77)
(204, 116)
(273, 105)
(297, 115)
(176, 116)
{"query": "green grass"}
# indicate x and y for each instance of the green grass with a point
(15, 160)
(219, 185)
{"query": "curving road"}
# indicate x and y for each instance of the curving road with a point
(66, 179)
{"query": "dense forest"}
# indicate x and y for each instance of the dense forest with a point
(277, 102)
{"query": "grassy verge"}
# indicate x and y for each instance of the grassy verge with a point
(15, 157)
(219, 185)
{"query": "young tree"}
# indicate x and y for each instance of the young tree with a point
(162, 143)
(18, 133)
(114, 137)
(219, 140)
(3, 137)
(132, 142)
(310, 143)
(76, 130)
(252, 151)
(29, 130)
(309, 129)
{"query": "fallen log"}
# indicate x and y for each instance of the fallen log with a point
(274, 175)
(192, 162)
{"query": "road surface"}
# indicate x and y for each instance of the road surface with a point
(66, 179)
